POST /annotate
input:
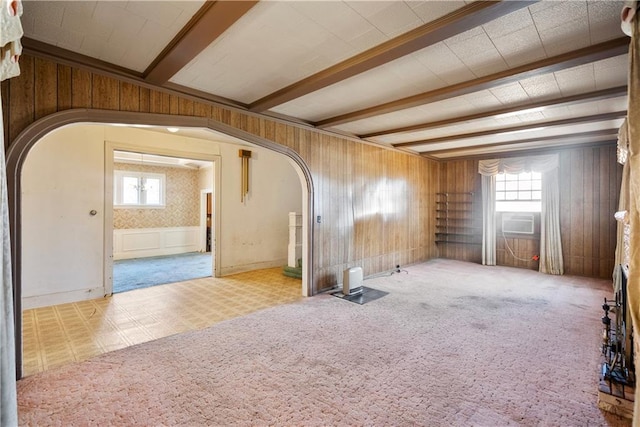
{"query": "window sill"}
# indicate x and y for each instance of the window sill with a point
(139, 206)
(535, 236)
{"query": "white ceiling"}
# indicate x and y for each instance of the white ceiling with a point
(145, 159)
(310, 34)
(127, 33)
(278, 43)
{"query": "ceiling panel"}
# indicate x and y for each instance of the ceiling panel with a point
(561, 24)
(476, 50)
(602, 74)
(547, 114)
(516, 38)
(430, 10)
(604, 20)
(397, 79)
(129, 34)
(431, 112)
(611, 72)
(510, 94)
(392, 18)
(576, 80)
(563, 27)
(507, 148)
(278, 43)
(541, 87)
(449, 108)
(540, 132)
(520, 47)
(470, 54)
(441, 61)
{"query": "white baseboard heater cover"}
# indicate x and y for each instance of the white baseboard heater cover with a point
(352, 281)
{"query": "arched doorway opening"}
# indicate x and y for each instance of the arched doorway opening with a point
(23, 144)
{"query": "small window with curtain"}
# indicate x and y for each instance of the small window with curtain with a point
(519, 192)
(138, 189)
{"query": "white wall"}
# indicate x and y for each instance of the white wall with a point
(62, 254)
(63, 178)
(255, 233)
(205, 178)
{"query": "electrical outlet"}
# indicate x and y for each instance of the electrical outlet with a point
(318, 219)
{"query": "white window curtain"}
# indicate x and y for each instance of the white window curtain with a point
(488, 220)
(550, 243)
(10, 50)
(622, 235)
(633, 190)
(8, 402)
(551, 261)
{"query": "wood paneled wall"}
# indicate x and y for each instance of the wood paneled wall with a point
(523, 249)
(590, 181)
(456, 176)
(375, 204)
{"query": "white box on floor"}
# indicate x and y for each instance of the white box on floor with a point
(352, 281)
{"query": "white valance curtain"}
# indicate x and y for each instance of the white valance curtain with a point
(10, 49)
(551, 261)
(518, 164)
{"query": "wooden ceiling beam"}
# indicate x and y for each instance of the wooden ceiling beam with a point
(578, 57)
(520, 151)
(557, 138)
(470, 16)
(209, 23)
(528, 126)
(510, 110)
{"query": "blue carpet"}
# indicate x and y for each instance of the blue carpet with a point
(138, 273)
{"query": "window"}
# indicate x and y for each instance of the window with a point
(138, 189)
(519, 192)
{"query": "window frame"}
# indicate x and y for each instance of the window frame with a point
(118, 189)
(502, 178)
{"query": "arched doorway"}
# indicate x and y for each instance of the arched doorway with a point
(24, 142)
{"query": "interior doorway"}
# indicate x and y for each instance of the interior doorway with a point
(207, 201)
(161, 213)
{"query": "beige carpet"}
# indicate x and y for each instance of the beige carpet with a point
(453, 344)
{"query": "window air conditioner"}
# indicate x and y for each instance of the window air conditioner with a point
(517, 223)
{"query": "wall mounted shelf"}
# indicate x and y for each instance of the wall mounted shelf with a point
(455, 222)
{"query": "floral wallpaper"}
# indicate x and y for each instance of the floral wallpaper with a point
(182, 200)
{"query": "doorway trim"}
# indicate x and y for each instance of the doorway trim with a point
(20, 147)
(203, 220)
(109, 148)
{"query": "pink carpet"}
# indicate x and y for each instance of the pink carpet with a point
(453, 344)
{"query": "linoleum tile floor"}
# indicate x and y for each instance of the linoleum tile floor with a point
(62, 334)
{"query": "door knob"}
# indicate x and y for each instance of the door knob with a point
(93, 212)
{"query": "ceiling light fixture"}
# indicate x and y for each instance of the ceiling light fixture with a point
(173, 130)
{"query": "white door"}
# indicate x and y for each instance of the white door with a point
(63, 218)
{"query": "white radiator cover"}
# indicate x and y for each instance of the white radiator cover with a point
(352, 281)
